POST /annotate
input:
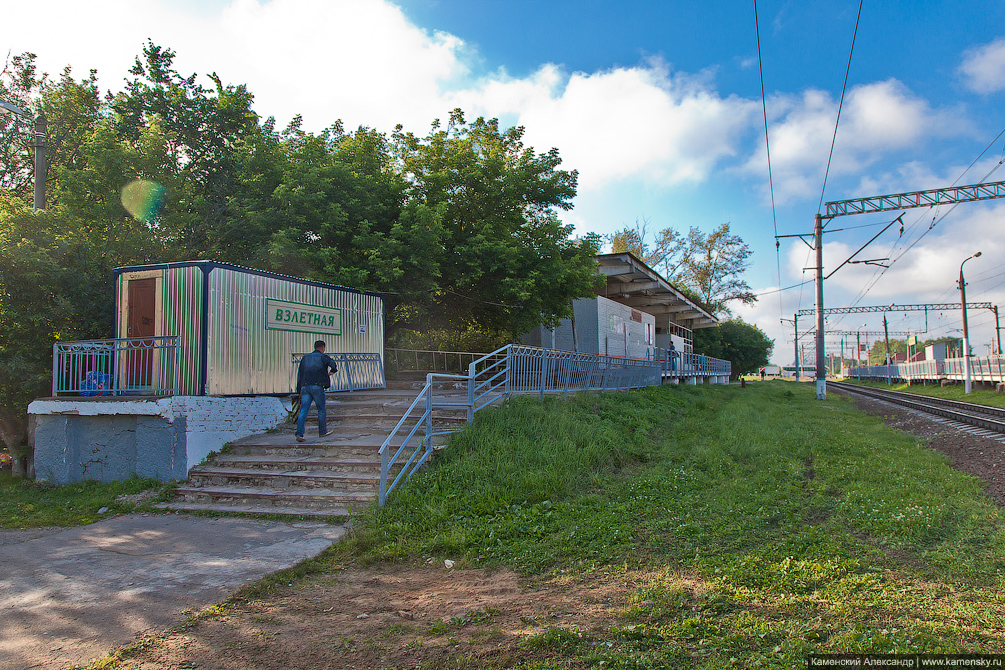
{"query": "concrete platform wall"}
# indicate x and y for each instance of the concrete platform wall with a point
(110, 439)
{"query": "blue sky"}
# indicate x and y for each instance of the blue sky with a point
(658, 105)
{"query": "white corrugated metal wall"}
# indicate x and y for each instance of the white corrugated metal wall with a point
(244, 357)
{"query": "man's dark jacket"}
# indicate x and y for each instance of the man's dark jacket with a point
(314, 370)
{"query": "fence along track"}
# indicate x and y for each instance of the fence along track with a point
(983, 416)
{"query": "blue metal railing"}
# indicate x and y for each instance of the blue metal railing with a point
(120, 366)
(687, 364)
(355, 372)
(520, 369)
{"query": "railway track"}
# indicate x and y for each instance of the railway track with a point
(982, 416)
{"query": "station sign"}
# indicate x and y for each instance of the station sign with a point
(302, 318)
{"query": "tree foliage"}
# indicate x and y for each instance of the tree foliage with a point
(744, 345)
(506, 260)
(708, 266)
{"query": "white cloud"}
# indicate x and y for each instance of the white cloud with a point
(642, 121)
(362, 61)
(983, 68)
(877, 119)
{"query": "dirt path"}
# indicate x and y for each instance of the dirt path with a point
(415, 616)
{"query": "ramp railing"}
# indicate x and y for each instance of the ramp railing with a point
(355, 372)
(511, 369)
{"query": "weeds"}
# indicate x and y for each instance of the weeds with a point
(29, 504)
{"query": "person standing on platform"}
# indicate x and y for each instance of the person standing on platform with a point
(313, 377)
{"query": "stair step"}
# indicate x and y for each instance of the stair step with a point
(320, 499)
(348, 481)
(340, 513)
(285, 462)
(327, 476)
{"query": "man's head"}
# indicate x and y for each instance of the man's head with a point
(319, 345)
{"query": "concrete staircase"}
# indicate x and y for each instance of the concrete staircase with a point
(272, 473)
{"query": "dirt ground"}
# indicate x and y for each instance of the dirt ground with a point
(429, 616)
(419, 616)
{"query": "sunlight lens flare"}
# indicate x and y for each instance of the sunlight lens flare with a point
(143, 199)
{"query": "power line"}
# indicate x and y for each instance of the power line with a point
(878, 274)
(837, 121)
(767, 151)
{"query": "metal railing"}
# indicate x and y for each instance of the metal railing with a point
(518, 369)
(122, 366)
(687, 364)
(404, 360)
(990, 369)
(355, 372)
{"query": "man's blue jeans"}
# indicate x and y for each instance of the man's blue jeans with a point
(314, 394)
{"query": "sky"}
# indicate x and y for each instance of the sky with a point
(658, 105)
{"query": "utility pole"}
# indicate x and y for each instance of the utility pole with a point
(998, 330)
(795, 341)
(39, 193)
(841, 371)
(858, 354)
(967, 386)
(889, 361)
(38, 146)
(818, 235)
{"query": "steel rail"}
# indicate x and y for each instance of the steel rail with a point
(982, 416)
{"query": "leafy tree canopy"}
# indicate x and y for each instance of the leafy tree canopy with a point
(708, 266)
(744, 345)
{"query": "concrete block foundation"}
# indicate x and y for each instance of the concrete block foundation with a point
(111, 439)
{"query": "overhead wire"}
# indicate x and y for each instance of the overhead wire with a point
(837, 121)
(936, 220)
(767, 151)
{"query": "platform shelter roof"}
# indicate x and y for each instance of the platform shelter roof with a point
(631, 282)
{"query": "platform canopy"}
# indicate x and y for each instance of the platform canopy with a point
(632, 282)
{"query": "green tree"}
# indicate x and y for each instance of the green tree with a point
(199, 133)
(709, 267)
(505, 260)
(744, 345)
(46, 294)
(715, 267)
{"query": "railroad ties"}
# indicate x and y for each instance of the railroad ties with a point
(990, 420)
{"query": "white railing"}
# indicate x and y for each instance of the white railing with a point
(355, 372)
(123, 366)
(990, 369)
(520, 369)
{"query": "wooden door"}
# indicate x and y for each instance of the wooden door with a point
(140, 322)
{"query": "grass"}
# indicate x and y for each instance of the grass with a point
(760, 525)
(29, 504)
(980, 396)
